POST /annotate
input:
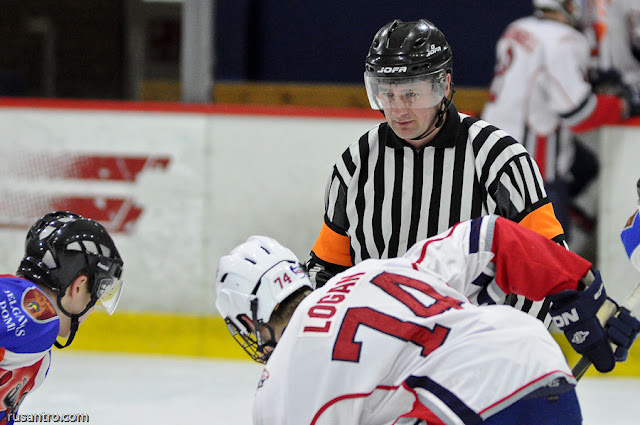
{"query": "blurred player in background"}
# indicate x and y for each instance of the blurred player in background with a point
(427, 167)
(70, 264)
(402, 340)
(614, 30)
(540, 95)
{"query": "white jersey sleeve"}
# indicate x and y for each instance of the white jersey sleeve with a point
(567, 60)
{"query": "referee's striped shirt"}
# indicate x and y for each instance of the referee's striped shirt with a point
(384, 195)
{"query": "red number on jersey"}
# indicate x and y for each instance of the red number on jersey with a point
(390, 283)
(347, 349)
(504, 63)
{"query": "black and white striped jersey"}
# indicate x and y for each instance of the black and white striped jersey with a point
(384, 195)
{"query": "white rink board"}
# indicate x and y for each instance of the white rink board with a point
(269, 176)
(228, 177)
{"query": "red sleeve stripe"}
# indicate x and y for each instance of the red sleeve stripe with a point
(423, 252)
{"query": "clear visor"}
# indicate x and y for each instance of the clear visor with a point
(421, 92)
(108, 292)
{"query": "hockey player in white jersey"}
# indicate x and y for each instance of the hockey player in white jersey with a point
(541, 97)
(618, 41)
(402, 341)
(613, 28)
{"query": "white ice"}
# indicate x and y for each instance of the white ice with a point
(140, 390)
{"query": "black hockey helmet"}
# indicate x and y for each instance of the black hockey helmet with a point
(409, 53)
(408, 49)
(61, 246)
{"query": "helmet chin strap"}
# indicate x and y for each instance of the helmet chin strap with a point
(258, 325)
(75, 323)
(439, 118)
(75, 319)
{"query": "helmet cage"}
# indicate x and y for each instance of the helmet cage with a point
(252, 341)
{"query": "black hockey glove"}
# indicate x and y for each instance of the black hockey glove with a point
(607, 81)
(320, 276)
(574, 312)
(622, 330)
(320, 272)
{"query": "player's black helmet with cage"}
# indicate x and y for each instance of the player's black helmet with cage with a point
(61, 246)
(405, 53)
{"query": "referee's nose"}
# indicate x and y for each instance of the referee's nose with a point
(400, 111)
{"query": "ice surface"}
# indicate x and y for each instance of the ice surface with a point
(142, 390)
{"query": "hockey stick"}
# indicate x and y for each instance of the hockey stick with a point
(607, 310)
(631, 241)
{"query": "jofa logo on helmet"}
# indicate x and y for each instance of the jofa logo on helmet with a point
(433, 50)
(392, 69)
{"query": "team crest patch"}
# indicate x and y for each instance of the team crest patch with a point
(38, 306)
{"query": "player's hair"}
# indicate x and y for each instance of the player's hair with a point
(285, 309)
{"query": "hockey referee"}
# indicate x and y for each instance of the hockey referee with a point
(427, 167)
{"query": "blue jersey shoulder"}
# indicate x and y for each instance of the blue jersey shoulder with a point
(28, 319)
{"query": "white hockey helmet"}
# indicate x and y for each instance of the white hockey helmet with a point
(571, 9)
(252, 280)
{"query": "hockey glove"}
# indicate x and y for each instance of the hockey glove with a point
(607, 81)
(574, 312)
(622, 330)
(318, 273)
(320, 276)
